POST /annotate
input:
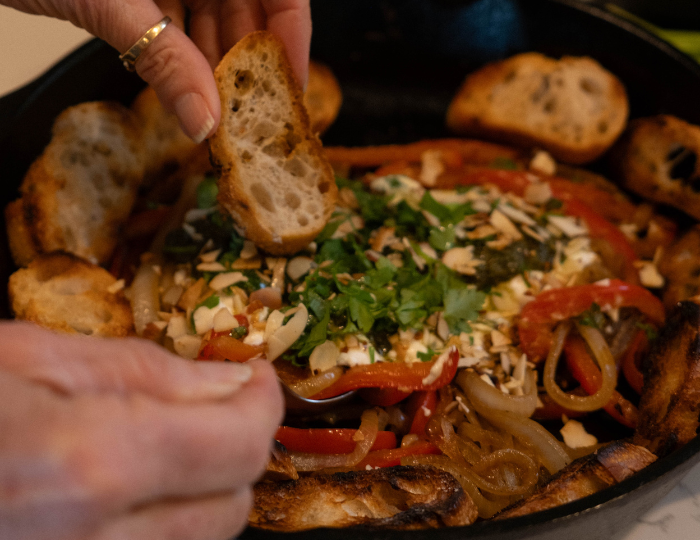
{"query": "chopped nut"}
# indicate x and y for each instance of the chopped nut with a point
(505, 225)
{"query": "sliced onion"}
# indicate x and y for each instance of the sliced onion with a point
(548, 450)
(364, 438)
(497, 459)
(313, 385)
(465, 477)
(486, 396)
(602, 353)
(606, 362)
(486, 438)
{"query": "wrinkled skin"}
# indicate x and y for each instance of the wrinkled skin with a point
(179, 66)
(106, 439)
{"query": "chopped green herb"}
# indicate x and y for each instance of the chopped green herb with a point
(426, 356)
(593, 317)
(504, 163)
(239, 332)
(649, 330)
(553, 204)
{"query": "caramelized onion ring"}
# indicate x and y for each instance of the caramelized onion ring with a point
(605, 360)
(487, 396)
(464, 476)
(366, 434)
(548, 450)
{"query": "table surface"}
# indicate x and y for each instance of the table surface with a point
(677, 516)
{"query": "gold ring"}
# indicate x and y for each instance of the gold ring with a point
(129, 57)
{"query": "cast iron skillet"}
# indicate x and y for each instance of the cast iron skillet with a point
(399, 63)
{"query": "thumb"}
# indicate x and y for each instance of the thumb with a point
(172, 64)
(78, 364)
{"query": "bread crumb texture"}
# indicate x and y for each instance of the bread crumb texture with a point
(274, 179)
(573, 107)
(66, 293)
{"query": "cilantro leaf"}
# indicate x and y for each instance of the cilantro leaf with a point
(442, 238)
(593, 317)
(451, 214)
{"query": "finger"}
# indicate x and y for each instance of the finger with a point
(239, 18)
(140, 450)
(171, 64)
(218, 517)
(75, 364)
(290, 20)
(205, 30)
(173, 9)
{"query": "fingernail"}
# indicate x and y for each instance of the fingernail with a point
(195, 119)
(221, 380)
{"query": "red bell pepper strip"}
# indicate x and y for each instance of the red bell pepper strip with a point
(538, 318)
(420, 407)
(607, 204)
(455, 152)
(397, 375)
(383, 397)
(601, 229)
(328, 441)
(630, 362)
(585, 371)
(392, 458)
(224, 347)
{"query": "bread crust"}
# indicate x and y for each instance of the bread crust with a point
(404, 498)
(81, 189)
(66, 293)
(22, 247)
(572, 107)
(587, 475)
(670, 399)
(274, 178)
(659, 158)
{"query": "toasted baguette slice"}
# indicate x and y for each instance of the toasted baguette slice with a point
(572, 107)
(670, 402)
(274, 178)
(66, 293)
(680, 266)
(659, 158)
(610, 464)
(392, 498)
(77, 194)
(20, 239)
(322, 98)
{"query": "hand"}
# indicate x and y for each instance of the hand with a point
(177, 66)
(118, 439)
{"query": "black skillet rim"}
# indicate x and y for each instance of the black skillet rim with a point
(664, 471)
